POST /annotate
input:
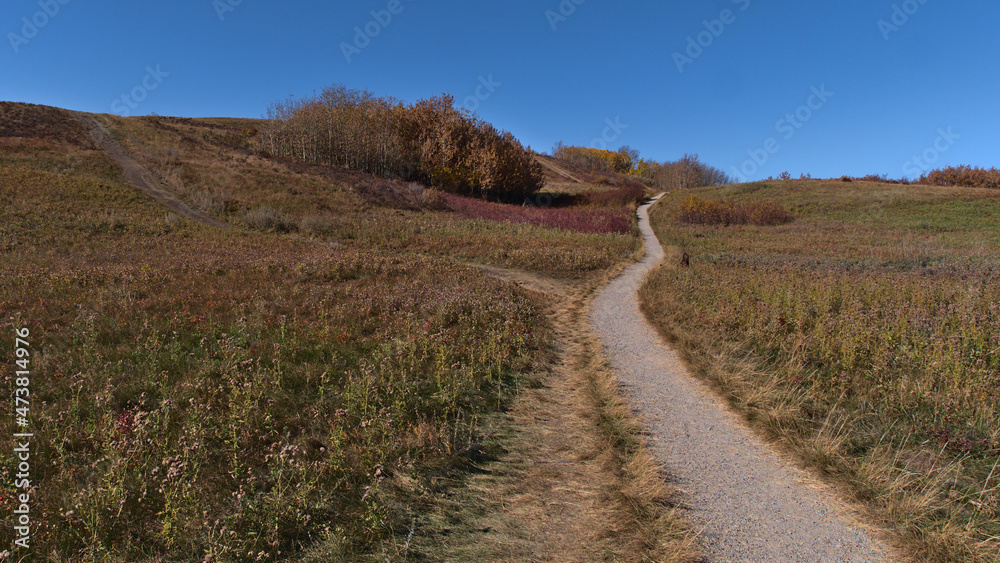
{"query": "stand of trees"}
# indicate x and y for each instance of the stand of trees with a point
(687, 172)
(621, 161)
(430, 141)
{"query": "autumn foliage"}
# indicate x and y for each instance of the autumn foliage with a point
(706, 212)
(968, 176)
(686, 172)
(620, 161)
(430, 141)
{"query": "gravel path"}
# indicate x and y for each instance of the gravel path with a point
(752, 504)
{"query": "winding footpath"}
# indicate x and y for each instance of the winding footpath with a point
(751, 504)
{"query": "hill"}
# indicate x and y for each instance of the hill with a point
(861, 335)
(273, 359)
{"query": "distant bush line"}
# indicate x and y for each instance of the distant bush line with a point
(430, 141)
(967, 176)
(961, 176)
(687, 172)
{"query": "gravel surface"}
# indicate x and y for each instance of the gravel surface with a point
(753, 505)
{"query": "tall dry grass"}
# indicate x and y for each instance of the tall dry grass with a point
(202, 395)
(707, 212)
(863, 338)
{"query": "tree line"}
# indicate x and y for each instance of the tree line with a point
(686, 172)
(968, 176)
(429, 141)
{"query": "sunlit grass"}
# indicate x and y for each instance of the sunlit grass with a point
(363, 211)
(239, 394)
(866, 334)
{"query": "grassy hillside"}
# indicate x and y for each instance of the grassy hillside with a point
(210, 165)
(863, 335)
(298, 387)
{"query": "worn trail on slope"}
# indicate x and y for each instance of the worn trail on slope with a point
(753, 505)
(139, 176)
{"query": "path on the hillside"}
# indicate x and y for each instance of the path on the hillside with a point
(753, 505)
(138, 175)
(558, 170)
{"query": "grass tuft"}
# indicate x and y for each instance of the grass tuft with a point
(267, 218)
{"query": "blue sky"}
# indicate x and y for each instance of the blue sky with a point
(753, 87)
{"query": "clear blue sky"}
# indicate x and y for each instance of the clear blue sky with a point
(926, 87)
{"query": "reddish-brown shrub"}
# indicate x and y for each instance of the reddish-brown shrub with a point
(579, 219)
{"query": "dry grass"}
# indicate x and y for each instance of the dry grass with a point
(267, 218)
(211, 170)
(870, 351)
(698, 211)
(651, 523)
(206, 395)
(578, 476)
(245, 395)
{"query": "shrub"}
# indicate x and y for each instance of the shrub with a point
(601, 160)
(214, 202)
(431, 141)
(879, 178)
(432, 199)
(267, 218)
(581, 220)
(689, 172)
(968, 176)
(317, 225)
(704, 212)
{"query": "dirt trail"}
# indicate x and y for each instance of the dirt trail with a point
(138, 175)
(752, 503)
(559, 170)
(557, 484)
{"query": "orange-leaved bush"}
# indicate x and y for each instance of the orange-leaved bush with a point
(430, 141)
(973, 177)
